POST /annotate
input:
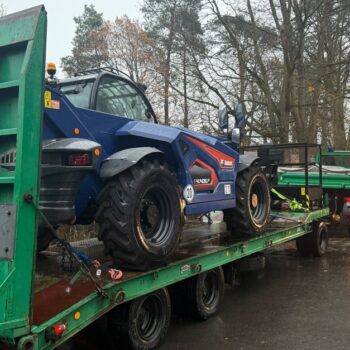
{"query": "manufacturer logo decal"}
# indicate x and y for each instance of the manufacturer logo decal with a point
(201, 181)
(226, 163)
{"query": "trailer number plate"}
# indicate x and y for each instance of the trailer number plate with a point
(7, 231)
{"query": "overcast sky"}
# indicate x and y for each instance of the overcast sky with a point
(60, 18)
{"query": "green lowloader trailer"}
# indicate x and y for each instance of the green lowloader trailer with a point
(335, 174)
(47, 298)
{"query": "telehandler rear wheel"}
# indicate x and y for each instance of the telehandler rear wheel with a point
(139, 216)
(251, 214)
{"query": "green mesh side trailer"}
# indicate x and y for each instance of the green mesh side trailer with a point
(22, 63)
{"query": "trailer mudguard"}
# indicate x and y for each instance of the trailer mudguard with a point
(246, 161)
(124, 159)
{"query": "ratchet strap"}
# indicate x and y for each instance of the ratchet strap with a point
(293, 203)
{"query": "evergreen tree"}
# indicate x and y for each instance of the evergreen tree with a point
(89, 46)
(175, 26)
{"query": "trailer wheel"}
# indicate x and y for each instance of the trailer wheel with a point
(251, 214)
(142, 323)
(139, 216)
(314, 243)
(199, 297)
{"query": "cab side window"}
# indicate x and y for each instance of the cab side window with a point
(118, 97)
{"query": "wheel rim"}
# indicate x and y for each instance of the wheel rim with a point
(257, 201)
(210, 290)
(149, 319)
(156, 217)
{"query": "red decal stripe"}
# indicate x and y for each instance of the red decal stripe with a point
(225, 161)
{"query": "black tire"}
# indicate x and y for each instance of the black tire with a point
(314, 243)
(251, 214)
(44, 238)
(200, 297)
(139, 216)
(142, 323)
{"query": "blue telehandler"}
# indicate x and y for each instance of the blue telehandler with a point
(106, 158)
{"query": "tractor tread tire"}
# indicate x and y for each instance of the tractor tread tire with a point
(116, 217)
(238, 219)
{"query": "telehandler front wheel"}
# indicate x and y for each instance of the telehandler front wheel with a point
(139, 216)
(252, 212)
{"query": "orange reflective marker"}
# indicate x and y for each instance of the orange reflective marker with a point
(97, 152)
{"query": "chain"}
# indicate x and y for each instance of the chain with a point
(68, 248)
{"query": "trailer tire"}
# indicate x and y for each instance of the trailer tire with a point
(199, 297)
(314, 243)
(143, 322)
(251, 214)
(139, 216)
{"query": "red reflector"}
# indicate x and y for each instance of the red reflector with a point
(346, 199)
(59, 329)
(79, 159)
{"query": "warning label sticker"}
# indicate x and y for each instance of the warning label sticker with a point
(49, 102)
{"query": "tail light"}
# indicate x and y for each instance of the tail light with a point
(346, 208)
(55, 332)
(79, 159)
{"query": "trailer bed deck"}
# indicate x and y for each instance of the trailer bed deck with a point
(60, 296)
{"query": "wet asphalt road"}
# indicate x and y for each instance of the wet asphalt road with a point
(296, 303)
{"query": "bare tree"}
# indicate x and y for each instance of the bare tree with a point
(2, 10)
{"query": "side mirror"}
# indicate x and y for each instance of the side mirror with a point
(223, 118)
(240, 115)
(239, 112)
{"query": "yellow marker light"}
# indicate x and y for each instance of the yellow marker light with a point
(76, 131)
(77, 315)
(97, 152)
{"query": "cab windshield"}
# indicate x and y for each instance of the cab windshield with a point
(78, 93)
